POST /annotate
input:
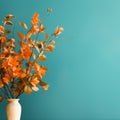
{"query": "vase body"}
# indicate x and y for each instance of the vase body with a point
(13, 109)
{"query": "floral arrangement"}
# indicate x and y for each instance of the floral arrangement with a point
(21, 70)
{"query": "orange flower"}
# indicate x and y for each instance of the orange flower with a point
(35, 19)
(1, 29)
(58, 31)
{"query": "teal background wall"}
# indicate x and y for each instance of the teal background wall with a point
(84, 70)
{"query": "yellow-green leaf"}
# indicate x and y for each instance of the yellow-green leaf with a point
(22, 36)
(23, 25)
(49, 10)
(27, 89)
(41, 58)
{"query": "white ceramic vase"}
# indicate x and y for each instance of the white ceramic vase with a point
(13, 109)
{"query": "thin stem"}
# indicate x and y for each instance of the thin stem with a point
(13, 30)
(3, 92)
(6, 92)
(27, 69)
(48, 13)
(37, 35)
(20, 93)
(10, 91)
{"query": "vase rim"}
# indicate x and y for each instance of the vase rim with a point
(12, 99)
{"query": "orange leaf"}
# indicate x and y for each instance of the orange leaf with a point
(27, 89)
(23, 25)
(9, 16)
(58, 31)
(1, 29)
(50, 47)
(6, 79)
(42, 83)
(1, 98)
(41, 58)
(35, 88)
(1, 84)
(6, 22)
(29, 34)
(40, 70)
(34, 81)
(35, 19)
(46, 87)
(22, 36)
(41, 28)
(46, 36)
(7, 31)
(23, 75)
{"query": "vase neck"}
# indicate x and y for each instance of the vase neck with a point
(13, 100)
